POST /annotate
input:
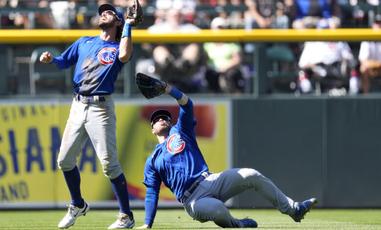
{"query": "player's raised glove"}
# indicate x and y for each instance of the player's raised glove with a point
(150, 87)
(135, 12)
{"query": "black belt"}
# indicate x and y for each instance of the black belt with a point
(89, 99)
(193, 187)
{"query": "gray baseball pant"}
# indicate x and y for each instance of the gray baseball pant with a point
(97, 121)
(206, 203)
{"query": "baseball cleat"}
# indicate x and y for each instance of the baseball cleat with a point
(123, 221)
(72, 214)
(248, 223)
(302, 208)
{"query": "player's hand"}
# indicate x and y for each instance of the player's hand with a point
(144, 226)
(46, 57)
(130, 21)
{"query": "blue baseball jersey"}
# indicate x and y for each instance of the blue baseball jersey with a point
(96, 65)
(178, 161)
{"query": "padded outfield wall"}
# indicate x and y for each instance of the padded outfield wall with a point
(30, 137)
(329, 148)
(323, 147)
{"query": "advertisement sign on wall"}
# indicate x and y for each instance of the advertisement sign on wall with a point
(30, 137)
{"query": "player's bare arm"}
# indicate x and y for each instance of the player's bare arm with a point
(46, 57)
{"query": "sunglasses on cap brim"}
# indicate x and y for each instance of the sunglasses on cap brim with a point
(156, 119)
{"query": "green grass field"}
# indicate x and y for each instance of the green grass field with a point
(178, 219)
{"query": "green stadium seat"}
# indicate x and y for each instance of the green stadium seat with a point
(282, 67)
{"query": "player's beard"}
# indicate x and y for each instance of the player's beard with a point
(106, 25)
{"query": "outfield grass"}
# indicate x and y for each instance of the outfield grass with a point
(178, 219)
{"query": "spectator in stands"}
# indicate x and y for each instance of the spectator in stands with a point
(17, 18)
(364, 12)
(6, 20)
(265, 14)
(232, 10)
(311, 13)
(123, 4)
(26, 14)
(178, 64)
(235, 14)
(329, 63)
(224, 63)
(43, 17)
(185, 7)
(64, 13)
(173, 21)
(370, 61)
(80, 14)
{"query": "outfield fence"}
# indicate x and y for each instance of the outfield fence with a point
(259, 82)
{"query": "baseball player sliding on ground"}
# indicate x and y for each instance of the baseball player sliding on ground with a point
(178, 162)
(98, 61)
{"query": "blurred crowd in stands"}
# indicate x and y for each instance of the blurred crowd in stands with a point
(337, 68)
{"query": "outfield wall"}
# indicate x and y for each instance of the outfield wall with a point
(329, 148)
(323, 147)
(30, 137)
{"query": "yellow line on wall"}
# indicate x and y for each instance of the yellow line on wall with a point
(260, 35)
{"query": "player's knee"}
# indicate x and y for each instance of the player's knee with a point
(65, 165)
(213, 213)
(112, 171)
(220, 213)
(248, 172)
(221, 218)
(217, 210)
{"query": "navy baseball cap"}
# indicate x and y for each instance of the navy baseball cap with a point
(118, 14)
(161, 113)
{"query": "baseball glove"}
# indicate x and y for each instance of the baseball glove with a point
(149, 86)
(135, 12)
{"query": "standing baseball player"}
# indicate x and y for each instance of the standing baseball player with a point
(178, 162)
(98, 60)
